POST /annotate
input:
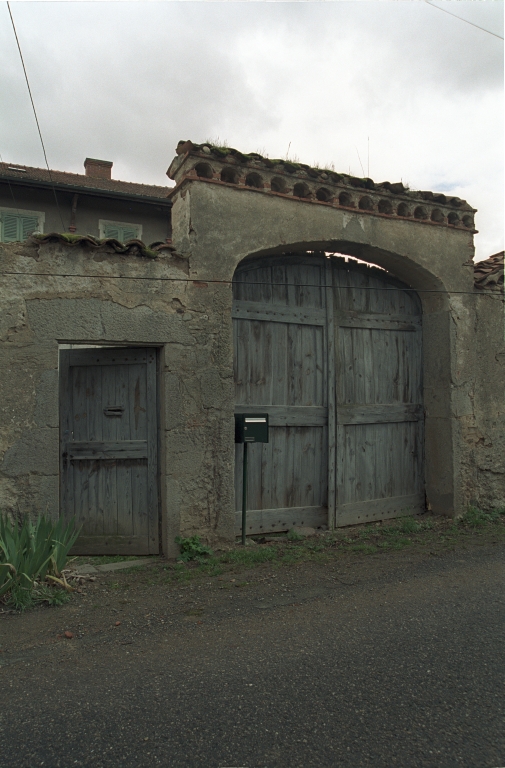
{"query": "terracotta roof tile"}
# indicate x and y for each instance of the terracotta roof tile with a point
(131, 247)
(489, 273)
(324, 175)
(24, 173)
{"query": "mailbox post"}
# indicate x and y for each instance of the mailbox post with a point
(249, 428)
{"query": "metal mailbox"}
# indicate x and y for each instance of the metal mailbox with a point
(251, 427)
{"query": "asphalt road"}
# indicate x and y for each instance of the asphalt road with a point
(368, 664)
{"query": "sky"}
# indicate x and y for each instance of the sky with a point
(397, 90)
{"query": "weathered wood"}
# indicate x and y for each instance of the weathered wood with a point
(123, 449)
(65, 404)
(107, 356)
(378, 414)
(276, 313)
(279, 347)
(109, 464)
(380, 509)
(111, 545)
(331, 374)
(289, 415)
(370, 445)
(125, 525)
(152, 448)
(384, 322)
(275, 520)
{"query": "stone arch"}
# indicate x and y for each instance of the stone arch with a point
(204, 170)
(254, 180)
(230, 175)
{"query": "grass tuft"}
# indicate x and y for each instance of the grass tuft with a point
(476, 518)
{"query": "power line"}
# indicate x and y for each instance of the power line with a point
(204, 282)
(35, 113)
(462, 19)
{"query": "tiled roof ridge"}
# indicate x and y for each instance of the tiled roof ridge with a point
(325, 175)
(132, 247)
(31, 173)
(489, 274)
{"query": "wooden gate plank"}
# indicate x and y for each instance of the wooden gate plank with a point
(380, 509)
(152, 451)
(276, 520)
(378, 414)
(330, 374)
(121, 449)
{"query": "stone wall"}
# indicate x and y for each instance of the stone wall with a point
(56, 294)
(484, 427)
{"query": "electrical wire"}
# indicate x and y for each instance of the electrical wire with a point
(35, 113)
(204, 282)
(462, 19)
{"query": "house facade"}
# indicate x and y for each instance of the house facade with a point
(121, 373)
(93, 203)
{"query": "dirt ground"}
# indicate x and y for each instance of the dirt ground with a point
(127, 603)
(356, 656)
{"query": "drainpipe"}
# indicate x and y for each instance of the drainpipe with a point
(72, 227)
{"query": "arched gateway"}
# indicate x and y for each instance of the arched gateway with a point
(366, 373)
(332, 352)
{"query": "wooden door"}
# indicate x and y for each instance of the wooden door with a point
(280, 318)
(109, 449)
(380, 415)
(332, 351)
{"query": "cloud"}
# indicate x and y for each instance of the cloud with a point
(126, 81)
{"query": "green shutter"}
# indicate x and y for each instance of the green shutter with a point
(28, 225)
(129, 233)
(16, 227)
(120, 233)
(110, 230)
(10, 233)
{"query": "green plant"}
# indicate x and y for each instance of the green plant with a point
(476, 518)
(191, 548)
(294, 535)
(30, 553)
(409, 525)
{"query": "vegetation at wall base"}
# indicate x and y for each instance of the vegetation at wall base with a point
(427, 533)
(32, 558)
(191, 548)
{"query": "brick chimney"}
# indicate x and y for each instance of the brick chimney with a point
(98, 169)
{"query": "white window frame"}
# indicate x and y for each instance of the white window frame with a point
(102, 223)
(40, 215)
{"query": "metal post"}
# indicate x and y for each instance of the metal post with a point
(244, 492)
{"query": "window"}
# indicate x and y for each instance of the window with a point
(17, 225)
(120, 230)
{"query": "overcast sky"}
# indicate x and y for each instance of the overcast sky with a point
(124, 81)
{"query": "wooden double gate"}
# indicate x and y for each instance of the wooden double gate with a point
(331, 350)
(108, 435)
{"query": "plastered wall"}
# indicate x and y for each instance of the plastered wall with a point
(172, 303)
